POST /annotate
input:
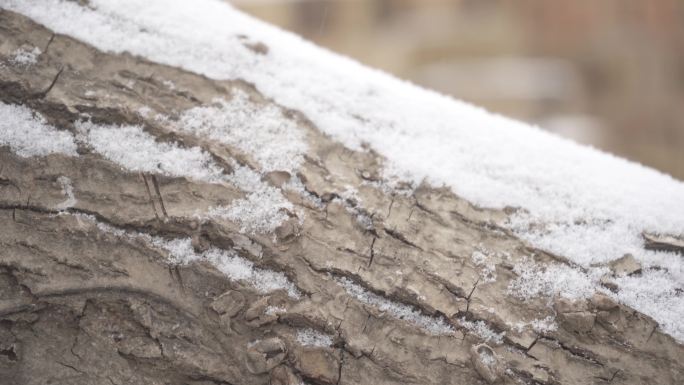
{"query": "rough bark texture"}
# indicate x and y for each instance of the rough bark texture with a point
(80, 306)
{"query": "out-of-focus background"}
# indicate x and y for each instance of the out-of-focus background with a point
(609, 73)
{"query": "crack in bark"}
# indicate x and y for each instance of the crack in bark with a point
(389, 210)
(400, 237)
(71, 367)
(43, 94)
(372, 252)
(47, 46)
(575, 351)
(159, 195)
(149, 194)
(470, 295)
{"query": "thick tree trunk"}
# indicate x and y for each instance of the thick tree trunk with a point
(376, 287)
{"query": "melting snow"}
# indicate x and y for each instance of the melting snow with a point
(577, 202)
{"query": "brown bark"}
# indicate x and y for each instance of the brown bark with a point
(80, 305)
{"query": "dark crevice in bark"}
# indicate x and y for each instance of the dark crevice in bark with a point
(400, 237)
(47, 46)
(372, 252)
(161, 200)
(43, 94)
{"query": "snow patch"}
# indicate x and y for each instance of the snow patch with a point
(68, 191)
(261, 131)
(135, 150)
(487, 358)
(312, 337)
(483, 260)
(480, 329)
(169, 84)
(274, 310)
(261, 211)
(432, 325)
(548, 280)
(236, 268)
(27, 133)
(541, 325)
(655, 294)
(25, 56)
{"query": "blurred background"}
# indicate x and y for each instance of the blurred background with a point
(609, 73)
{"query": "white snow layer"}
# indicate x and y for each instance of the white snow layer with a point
(136, 150)
(577, 202)
(262, 211)
(28, 134)
(263, 132)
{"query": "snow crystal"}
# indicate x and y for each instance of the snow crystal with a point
(311, 337)
(577, 202)
(68, 191)
(480, 329)
(136, 150)
(28, 134)
(262, 131)
(25, 56)
(433, 325)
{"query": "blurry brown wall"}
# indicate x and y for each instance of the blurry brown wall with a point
(608, 73)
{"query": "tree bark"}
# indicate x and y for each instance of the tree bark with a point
(82, 304)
